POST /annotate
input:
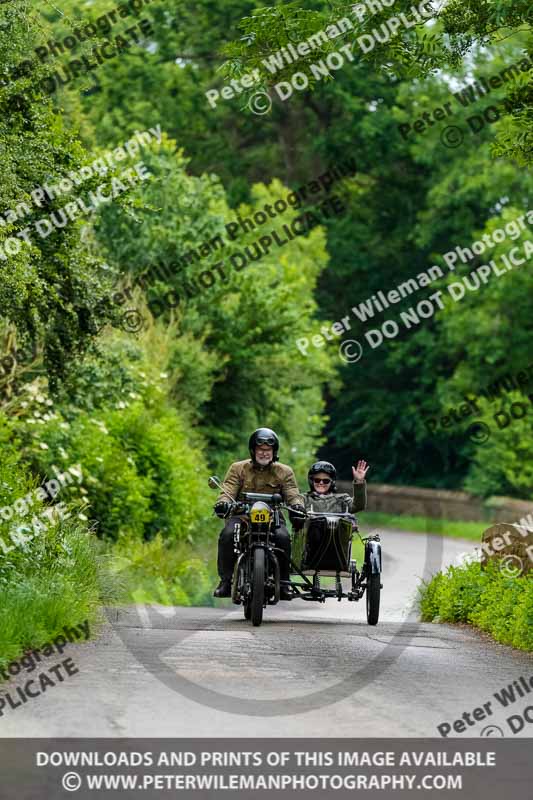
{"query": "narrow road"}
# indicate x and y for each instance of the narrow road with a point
(309, 670)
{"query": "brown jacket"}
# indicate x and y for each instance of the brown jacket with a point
(245, 476)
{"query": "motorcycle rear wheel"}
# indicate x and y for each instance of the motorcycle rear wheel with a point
(258, 587)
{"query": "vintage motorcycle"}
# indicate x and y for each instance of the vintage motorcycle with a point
(322, 548)
(256, 575)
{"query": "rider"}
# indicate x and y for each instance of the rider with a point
(261, 473)
(322, 497)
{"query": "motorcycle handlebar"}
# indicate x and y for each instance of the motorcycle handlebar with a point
(241, 507)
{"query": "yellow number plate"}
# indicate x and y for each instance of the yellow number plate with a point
(260, 516)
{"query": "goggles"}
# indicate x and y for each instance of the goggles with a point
(325, 481)
(266, 440)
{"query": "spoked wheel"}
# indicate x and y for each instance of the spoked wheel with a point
(373, 592)
(258, 587)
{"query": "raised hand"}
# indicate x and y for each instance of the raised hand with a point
(359, 472)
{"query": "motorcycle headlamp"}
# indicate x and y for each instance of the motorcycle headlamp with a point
(260, 515)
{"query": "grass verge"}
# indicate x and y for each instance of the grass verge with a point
(63, 588)
(486, 598)
(452, 528)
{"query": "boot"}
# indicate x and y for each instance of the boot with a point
(223, 589)
(285, 592)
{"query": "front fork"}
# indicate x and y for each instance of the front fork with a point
(242, 581)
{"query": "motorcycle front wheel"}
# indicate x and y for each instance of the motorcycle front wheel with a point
(258, 587)
(373, 592)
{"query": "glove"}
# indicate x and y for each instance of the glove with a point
(297, 520)
(221, 508)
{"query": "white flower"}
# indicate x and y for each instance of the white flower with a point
(40, 398)
(121, 404)
(43, 445)
(24, 404)
(163, 374)
(83, 517)
(49, 402)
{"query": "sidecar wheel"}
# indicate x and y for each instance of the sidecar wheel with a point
(373, 592)
(258, 587)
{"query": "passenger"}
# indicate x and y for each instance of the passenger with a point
(322, 484)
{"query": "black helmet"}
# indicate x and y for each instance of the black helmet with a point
(263, 436)
(322, 466)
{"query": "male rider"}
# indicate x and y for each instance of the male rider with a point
(262, 472)
(322, 495)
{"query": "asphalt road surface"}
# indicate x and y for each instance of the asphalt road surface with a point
(310, 670)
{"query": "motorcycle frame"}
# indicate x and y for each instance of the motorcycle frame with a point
(314, 593)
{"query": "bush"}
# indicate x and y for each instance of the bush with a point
(167, 573)
(486, 598)
(143, 471)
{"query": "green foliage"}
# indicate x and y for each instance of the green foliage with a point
(486, 598)
(52, 578)
(47, 288)
(158, 572)
(40, 600)
(504, 463)
(142, 471)
(235, 341)
(458, 31)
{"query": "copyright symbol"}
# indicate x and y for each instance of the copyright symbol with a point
(260, 103)
(131, 321)
(492, 730)
(452, 136)
(348, 353)
(478, 432)
(511, 566)
(71, 781)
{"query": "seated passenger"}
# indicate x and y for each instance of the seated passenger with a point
(322, 496)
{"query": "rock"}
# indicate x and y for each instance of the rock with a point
(509, 545)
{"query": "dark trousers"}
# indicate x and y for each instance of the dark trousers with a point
(227, 557)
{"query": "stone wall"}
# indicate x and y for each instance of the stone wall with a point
(442, 504)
